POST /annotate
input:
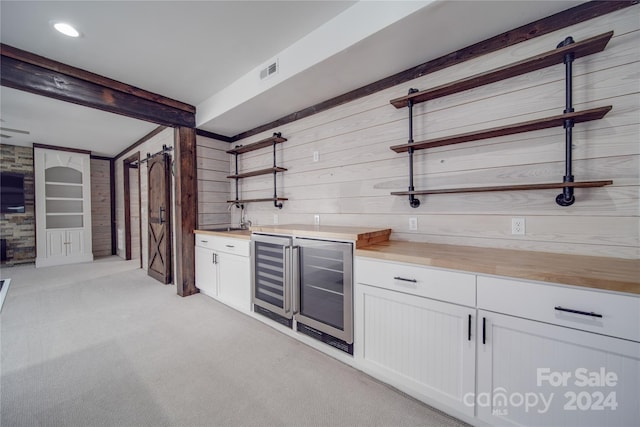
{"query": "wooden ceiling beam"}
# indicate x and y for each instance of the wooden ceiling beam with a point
(32, 73)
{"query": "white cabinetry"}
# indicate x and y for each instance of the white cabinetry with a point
(234, 287)
(63, 207)
(423, 346)
(223, 270)
(64, 243)
(541, 363)
(206, 270)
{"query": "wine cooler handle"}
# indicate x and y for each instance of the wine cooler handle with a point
(295, 278)
(286, 288)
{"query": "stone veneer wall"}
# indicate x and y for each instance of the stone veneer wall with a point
(19, 228)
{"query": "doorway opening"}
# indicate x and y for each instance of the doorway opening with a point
(132, 208)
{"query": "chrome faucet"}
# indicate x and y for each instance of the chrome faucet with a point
(244, 222)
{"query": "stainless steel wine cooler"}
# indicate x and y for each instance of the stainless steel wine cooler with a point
(306, 284)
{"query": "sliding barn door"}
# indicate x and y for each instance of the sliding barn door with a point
(159, 218)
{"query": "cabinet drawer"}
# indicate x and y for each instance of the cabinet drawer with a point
(620, 313)
(223, 244)
(204, 240)
(458, 288)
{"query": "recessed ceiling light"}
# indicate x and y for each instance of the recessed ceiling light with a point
(66, 29)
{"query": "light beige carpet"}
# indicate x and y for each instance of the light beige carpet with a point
(102, 344)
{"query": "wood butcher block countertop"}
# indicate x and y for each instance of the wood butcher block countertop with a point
(238, 234)
(363, 236)
(613, 274)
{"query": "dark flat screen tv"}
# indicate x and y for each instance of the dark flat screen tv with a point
(11, 192)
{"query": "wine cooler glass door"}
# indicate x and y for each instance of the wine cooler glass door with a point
(324, 299)
(271, 278)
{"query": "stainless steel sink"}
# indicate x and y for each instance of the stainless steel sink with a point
(228, 229)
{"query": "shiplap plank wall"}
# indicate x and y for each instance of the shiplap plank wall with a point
(100, 208)
(356, 172)
(213, 185)
(153, 145)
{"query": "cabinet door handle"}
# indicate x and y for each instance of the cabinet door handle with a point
(584, 313)
(405, 280)
(214, 258)
(469, 329)
(484, 330)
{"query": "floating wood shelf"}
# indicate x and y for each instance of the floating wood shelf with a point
(257, 145)
(543, 60)
(272, 199)
(257, 172)
(566, 52)
(543, 186)
(531, 125)
(267, 142)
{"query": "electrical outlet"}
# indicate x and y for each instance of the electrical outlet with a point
(316, 156)
(413, 223)
(517, 226)
(275, 219)
(316, 219)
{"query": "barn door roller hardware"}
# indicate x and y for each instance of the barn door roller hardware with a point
(150, 156)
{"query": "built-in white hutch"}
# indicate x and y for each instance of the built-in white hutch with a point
(63, 206)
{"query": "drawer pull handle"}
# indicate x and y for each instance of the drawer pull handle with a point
(584, 313)
(405, 280)
(204, 241)
(230, 246)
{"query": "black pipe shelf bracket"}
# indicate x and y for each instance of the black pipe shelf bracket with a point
(566, 198)
(566, 52)
(240, 149)
(413, 202)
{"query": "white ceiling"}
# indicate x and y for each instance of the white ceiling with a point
(203, 52)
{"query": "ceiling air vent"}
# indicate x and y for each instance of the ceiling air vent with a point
(269, 70)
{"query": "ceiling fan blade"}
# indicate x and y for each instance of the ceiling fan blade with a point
(26, 132)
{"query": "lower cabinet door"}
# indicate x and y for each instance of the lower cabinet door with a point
(65, 246)
(56, 246)
(75, 239)
(234, 287)
(423, 347)
(537, 374)
(206, 271)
